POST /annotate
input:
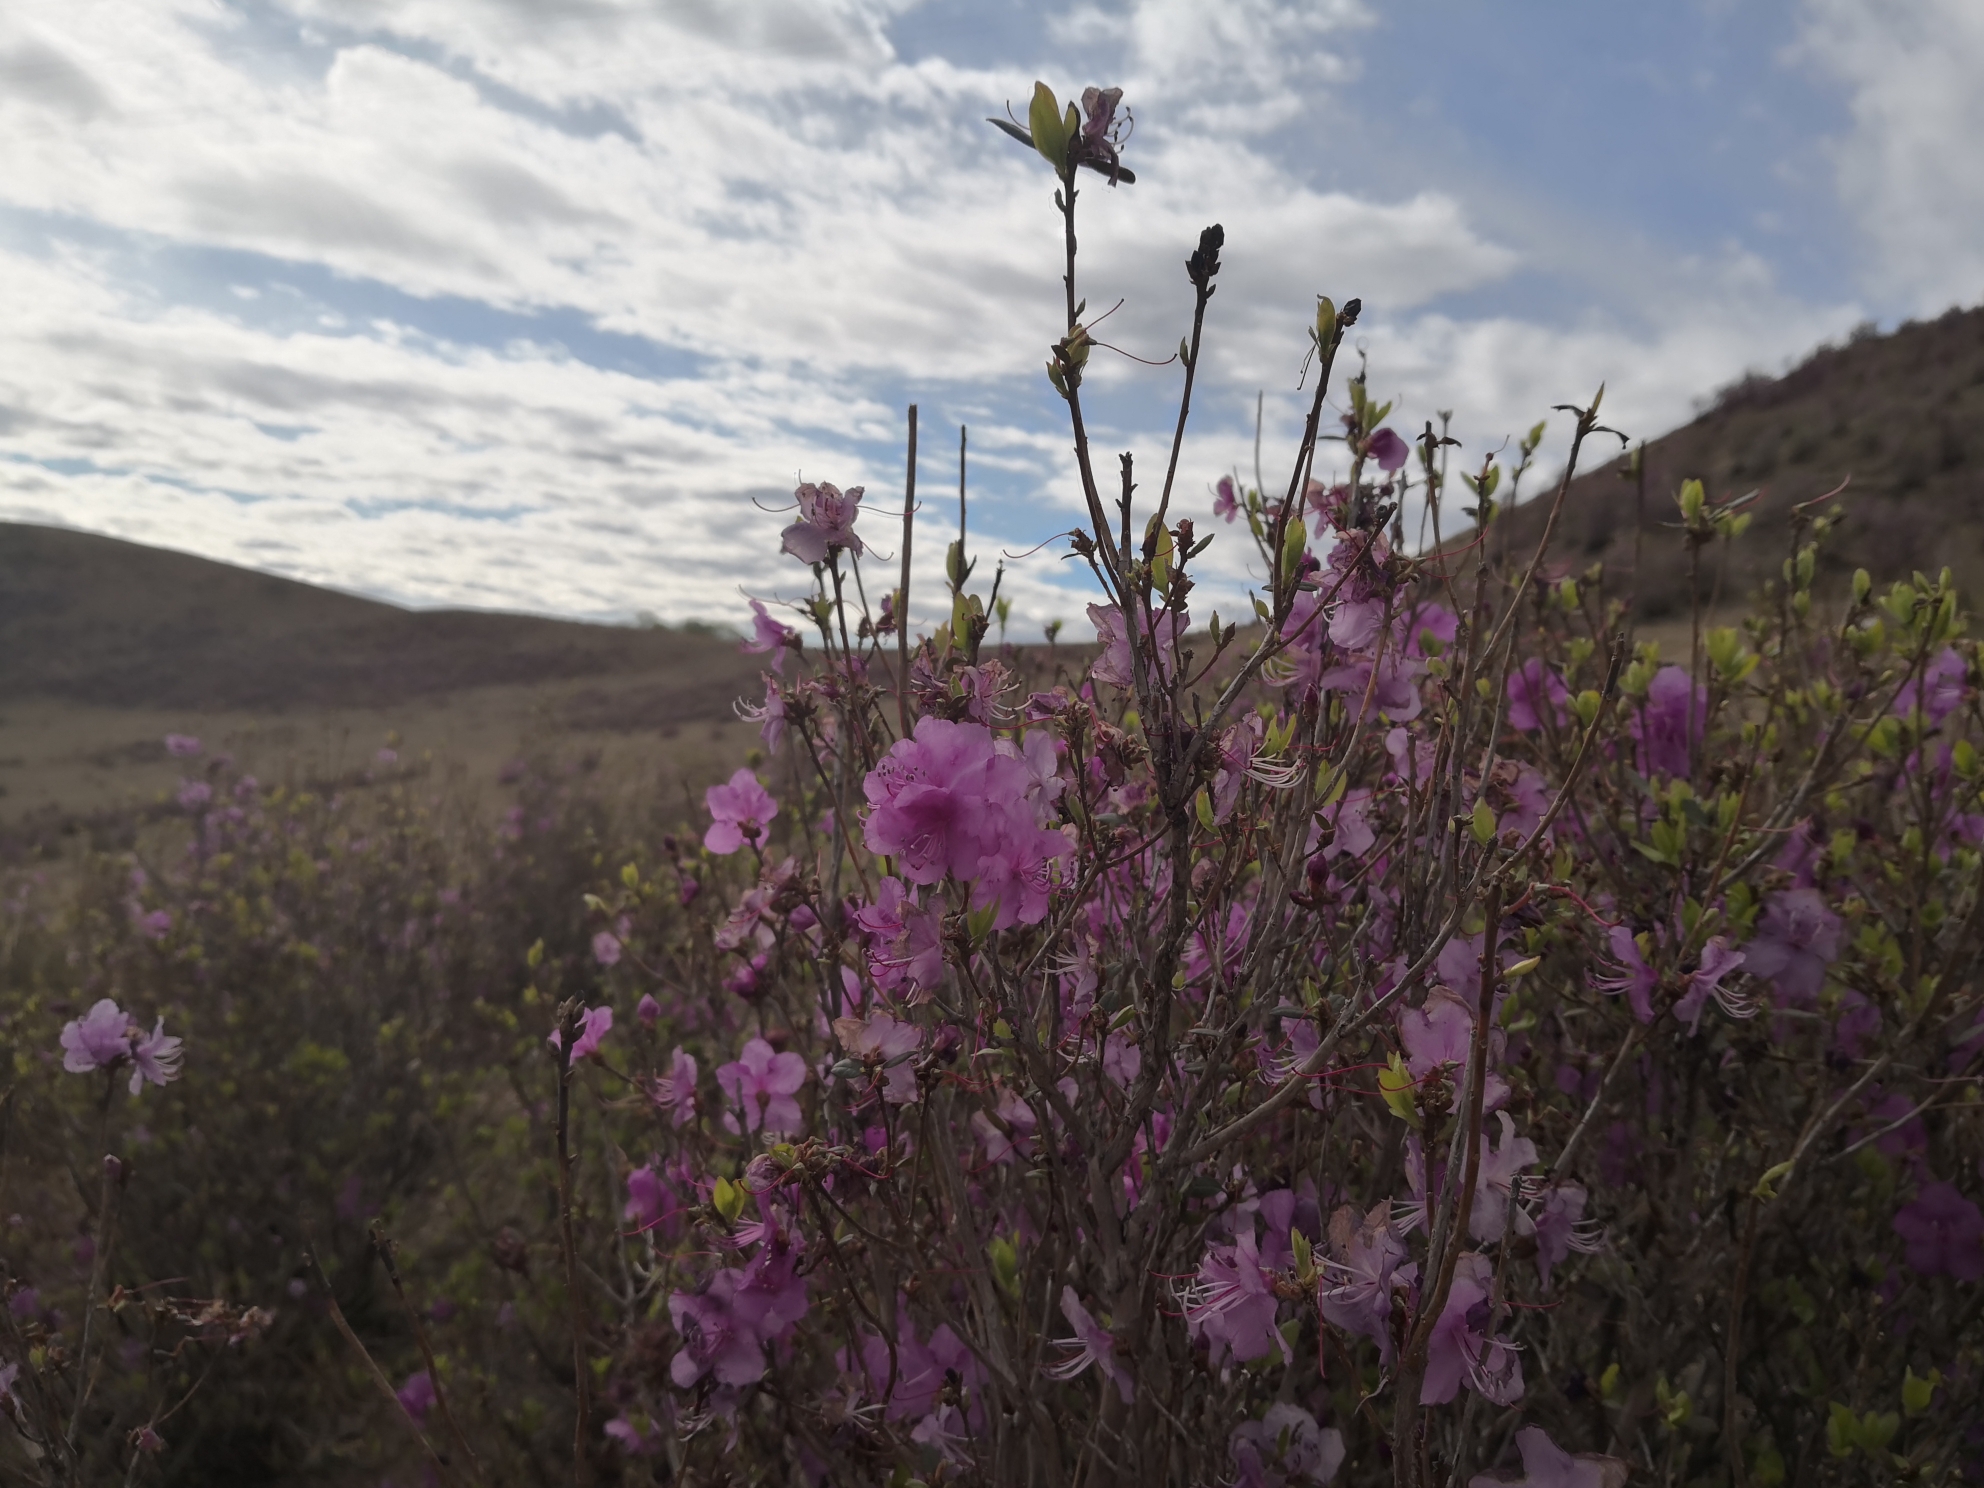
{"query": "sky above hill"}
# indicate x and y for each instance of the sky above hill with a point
(506, 304)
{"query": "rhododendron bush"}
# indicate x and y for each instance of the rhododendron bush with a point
(1418, 1032)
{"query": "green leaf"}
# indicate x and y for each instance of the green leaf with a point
(1917, 1392)
(1483, 821)
(1050, 136)
(1842, 1430)
(728, 1199)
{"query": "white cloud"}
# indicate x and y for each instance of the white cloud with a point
(1910, 170)
(802, 226)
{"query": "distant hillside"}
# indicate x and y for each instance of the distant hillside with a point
(94, 620)
(1902, 414)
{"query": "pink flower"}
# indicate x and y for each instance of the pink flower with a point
(768, 716)
(105, 1037)
(182, 746)
(1939, 693)
(1547, 1465)
(1632, 975)
(193, 794)
(652, 1202)
(1460, 1352)
(1499, 1179)
(1662, 724)
(768, 636)
(886, 1045)
(598, 1022)
(639, 1436)
(826, 523)
(1439, 1035)
(905, 944)
(1354, 1291)
(648, 1011)
(606, 948)
(1285, 1446)
(676, 1091)
(740, 808)
(1387, 449)
(1231, 1303)
(1562, 1228)
(725, 1328)
(1719, 959)
(1013, 1131)
(1797, 940)
(1226, 500)
(1533, 692)
(1092, 1344)
(761, 1084)
(417, 1395)
(1157, 641)
(1942, 1230)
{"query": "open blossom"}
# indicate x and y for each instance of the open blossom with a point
(1719, 960)
(1460, 1352)
(1092, 1344)
(761, 1083)
(1547, 1465)
(1562, 1228)
(1285, 1446)
(726, 1327)
(887, 1044)
(1797, 939)
(1944, 1233)
(826, 523)
(1387, 449)
(675, 1092)
(1673, 708)
(905, 943)
(740, 808)
(1439, 1035)
(769, 636)
(1631, 975)
(1939, 692)
(1498, 1181)
(1225, 500)
(597, 1024)
(105, 1037)
(1231, 1303)
(1157, 639)
(1354, 1291)
(1534, 694)
(652, 1202)
(768, 716)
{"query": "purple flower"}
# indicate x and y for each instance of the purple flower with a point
(105, 1037)
(1439, 1035)
(1499, 1179)
(826, 523)
(768, 636)
(1719, 959)
(648, 1011)
(1632, 975)
(1285, 1446)
(1561, 1228)
(598, 1022)
(887, 1045)
(1939, 693)
(1662, 723)
(1225, 500)
(761, 1083)
(417, 1395)
(1157, 640)
(606, 948)
(675, 1092)
(1092, 1344)
(1798, 939)
(905, 944)
(182, 746)
(1100, 139)
(639, 1436)
(651, 1201)
(740, 808)
(193, 794)
(725, 1328)
(1230, 1302)
(1944, 1233)
(1547, 1465)
(1534, 691)
(1387, 449)
(1355, 1290)
(1461, 1353)
(769, 716)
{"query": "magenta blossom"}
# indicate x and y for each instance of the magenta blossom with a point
(905, 943)
(886, 1045)
(1719, 959)
(417, 1395)
(1285, 1446)
(675, 1092)
(1231, 1303)
(769, 637)
(826, 523)
(105, 1037)
(648, 1011)
(1631, 975)
(1226, 500)
(1944, 1233)
(725, 1328)
(606, 948)
(1562, 1228)
(1547, 1465)
(1387, 449)
(740, 807)
(1798, 938)
(1460, 1352)
(598, 1022)
(761, 1083)
(1939, 693)
(652, 1202)
(1157, 640)
(1092, 1344)
(1668, 721)
(1534, 694)
(1354, 1292)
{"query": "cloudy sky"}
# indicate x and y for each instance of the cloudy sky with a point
(535, 306)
